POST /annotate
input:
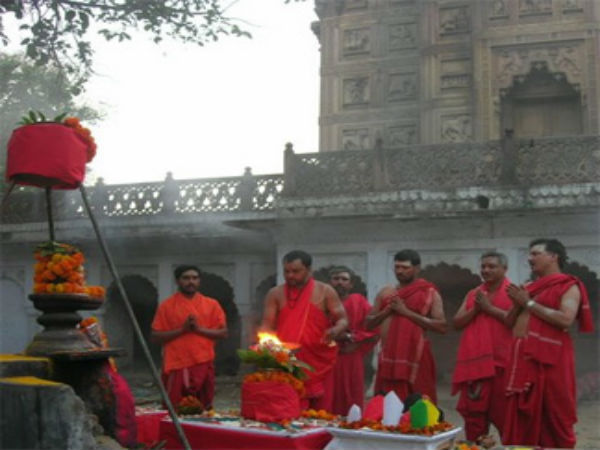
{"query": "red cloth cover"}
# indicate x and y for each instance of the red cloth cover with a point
(46, 154)
(269, 401)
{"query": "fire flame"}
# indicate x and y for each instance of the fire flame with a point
(263, 337)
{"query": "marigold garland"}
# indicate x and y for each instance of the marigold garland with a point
(59, 270)
(189, 405)
(277, 376)
(84, 133)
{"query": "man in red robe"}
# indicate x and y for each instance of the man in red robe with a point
(187, 325)
(309, 313)
(405, 312)
(483, 351)
(345, 385)
(541, 405)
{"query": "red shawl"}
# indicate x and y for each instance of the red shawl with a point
(485, 342)
(403, 346)
(357, 307)
(544, 341)
(301, 322)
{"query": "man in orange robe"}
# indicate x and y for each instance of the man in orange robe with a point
(309, 313)
(404, 312)
(187, 325)
(541, 406)
(484, 349)
(345, 385)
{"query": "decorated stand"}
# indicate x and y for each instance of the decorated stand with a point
(52, 155)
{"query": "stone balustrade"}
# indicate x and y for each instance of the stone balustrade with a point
(514, 163)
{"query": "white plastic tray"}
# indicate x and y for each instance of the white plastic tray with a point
(344, 439)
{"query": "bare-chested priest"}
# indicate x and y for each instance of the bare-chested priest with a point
(309, 313)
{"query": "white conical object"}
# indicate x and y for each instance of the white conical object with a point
(354, 414)
(392, 409)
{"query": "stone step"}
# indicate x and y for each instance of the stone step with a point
(14, 365)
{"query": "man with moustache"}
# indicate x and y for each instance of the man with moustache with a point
(405, 312)
(483, 351)
(345, 385)
(541, 404)
(309, 313)
(187, 324)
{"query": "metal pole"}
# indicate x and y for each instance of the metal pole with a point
(49, 212)
(134, 322)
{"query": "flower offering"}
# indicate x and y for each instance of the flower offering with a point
(272, 394)
(59, 270)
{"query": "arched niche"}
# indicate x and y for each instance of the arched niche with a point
(542, 104)
(143, 296)
(226, 360)
(587, 351)
(453, 283)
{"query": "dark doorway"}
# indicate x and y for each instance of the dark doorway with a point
(143, 297)
(453, 282)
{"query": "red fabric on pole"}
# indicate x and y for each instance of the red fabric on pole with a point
(46, 154)
(214, 437)
(269, 401)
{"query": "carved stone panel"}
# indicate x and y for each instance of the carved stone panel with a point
(513, 64)
(401, 135)
(356, 42)
(455, 73)
(535, 7)
(355, 92)
(355, 4)
(402, 86)
(572, 6)
(402, 35)
(454, 20)
(355, 139)
(498, 9)
(457, 128)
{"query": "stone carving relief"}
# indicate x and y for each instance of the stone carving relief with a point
(402, 35)
(527, 7)
(356, 41)
(355, 139)
(355, 91)
(457, 129)
(498, 9)
(572, 6)
(402, 135)
(460, 80)
(354, 4)
(454, 20)
(403, 86)
(516, 63)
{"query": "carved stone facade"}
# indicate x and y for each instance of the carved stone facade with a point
(452, 70)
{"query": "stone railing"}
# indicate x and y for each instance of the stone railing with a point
(233, 194)
(516, 162)
(508, 162)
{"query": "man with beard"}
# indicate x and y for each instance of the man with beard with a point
(541, 404)
(345, 385)
(187, 324)
(309, 313)
(405, 312)
(483, 351)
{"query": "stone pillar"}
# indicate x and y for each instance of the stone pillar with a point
(289, 174)
(247, 186)
(508, 171)
(170, 194)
